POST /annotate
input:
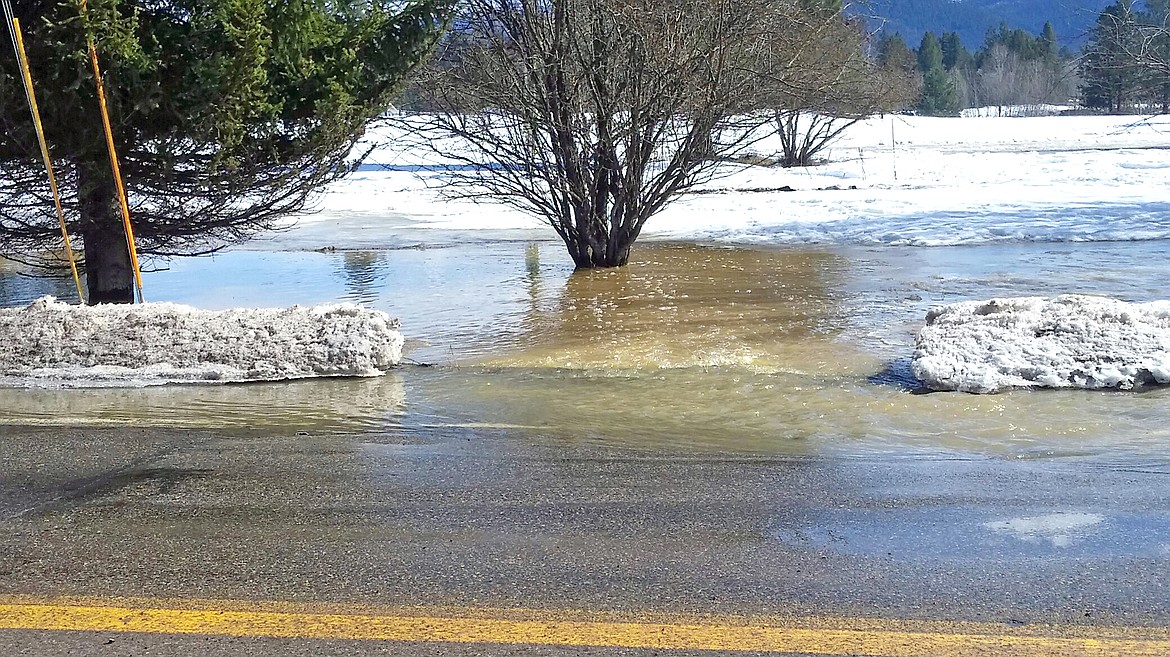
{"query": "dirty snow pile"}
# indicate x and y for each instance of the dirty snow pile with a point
(54, 343)
(1071, 341)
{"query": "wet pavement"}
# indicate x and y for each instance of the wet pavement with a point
(477, 518)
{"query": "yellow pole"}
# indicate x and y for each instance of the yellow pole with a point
(36, 112)
(101, 92)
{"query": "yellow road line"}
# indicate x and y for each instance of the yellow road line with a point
(869, 640)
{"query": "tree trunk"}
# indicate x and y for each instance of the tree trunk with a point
(587, 257)
(109, 274)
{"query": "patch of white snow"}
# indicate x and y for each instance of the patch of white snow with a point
(50, 343)
(1072, 341)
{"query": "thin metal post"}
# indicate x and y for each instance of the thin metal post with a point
(17, 36)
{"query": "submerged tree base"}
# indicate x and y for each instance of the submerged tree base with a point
(604, 263)
(599, 258)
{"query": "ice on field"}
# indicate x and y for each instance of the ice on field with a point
(1070, 341)
(53, 343)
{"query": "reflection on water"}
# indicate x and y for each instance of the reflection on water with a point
(966, 533)
(1059, 529)
(310, 405)
(363, 272)
(17, 287)
(716, 349)
(737, 410)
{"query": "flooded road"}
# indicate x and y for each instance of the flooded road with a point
(709, 433)
(712, 349)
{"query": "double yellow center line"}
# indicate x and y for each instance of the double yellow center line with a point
(825, 637)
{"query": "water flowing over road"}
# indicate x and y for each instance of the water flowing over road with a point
(780, 350)
(716, 450)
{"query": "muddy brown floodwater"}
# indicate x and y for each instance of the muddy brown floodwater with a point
(745, 350)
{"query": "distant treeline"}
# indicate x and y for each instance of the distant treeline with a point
(973, 19)
(1123, 66)
(1011, 68)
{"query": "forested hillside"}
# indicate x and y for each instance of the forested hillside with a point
(973, 18)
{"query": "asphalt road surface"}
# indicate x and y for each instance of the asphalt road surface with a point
(155, 542)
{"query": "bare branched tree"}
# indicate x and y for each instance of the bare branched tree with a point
(822, 80)
(1019, 86)
(1126, 58)
(594, 114)
(1140, 38)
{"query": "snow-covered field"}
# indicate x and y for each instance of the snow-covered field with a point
(918, 181)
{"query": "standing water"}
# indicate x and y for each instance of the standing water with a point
(779, 350)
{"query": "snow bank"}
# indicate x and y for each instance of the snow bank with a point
(1015, 111)
(53, 343)
(1071, 341)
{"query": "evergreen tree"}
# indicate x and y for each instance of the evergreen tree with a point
(1048, 38)
(228, 115)
(955, 55)
(1111, 76)
(1072, 19)
(939, 96)
(930, 54)
(895, 55)
(1019, 42)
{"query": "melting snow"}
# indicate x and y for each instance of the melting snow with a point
(56, 344)
(1071, 341)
